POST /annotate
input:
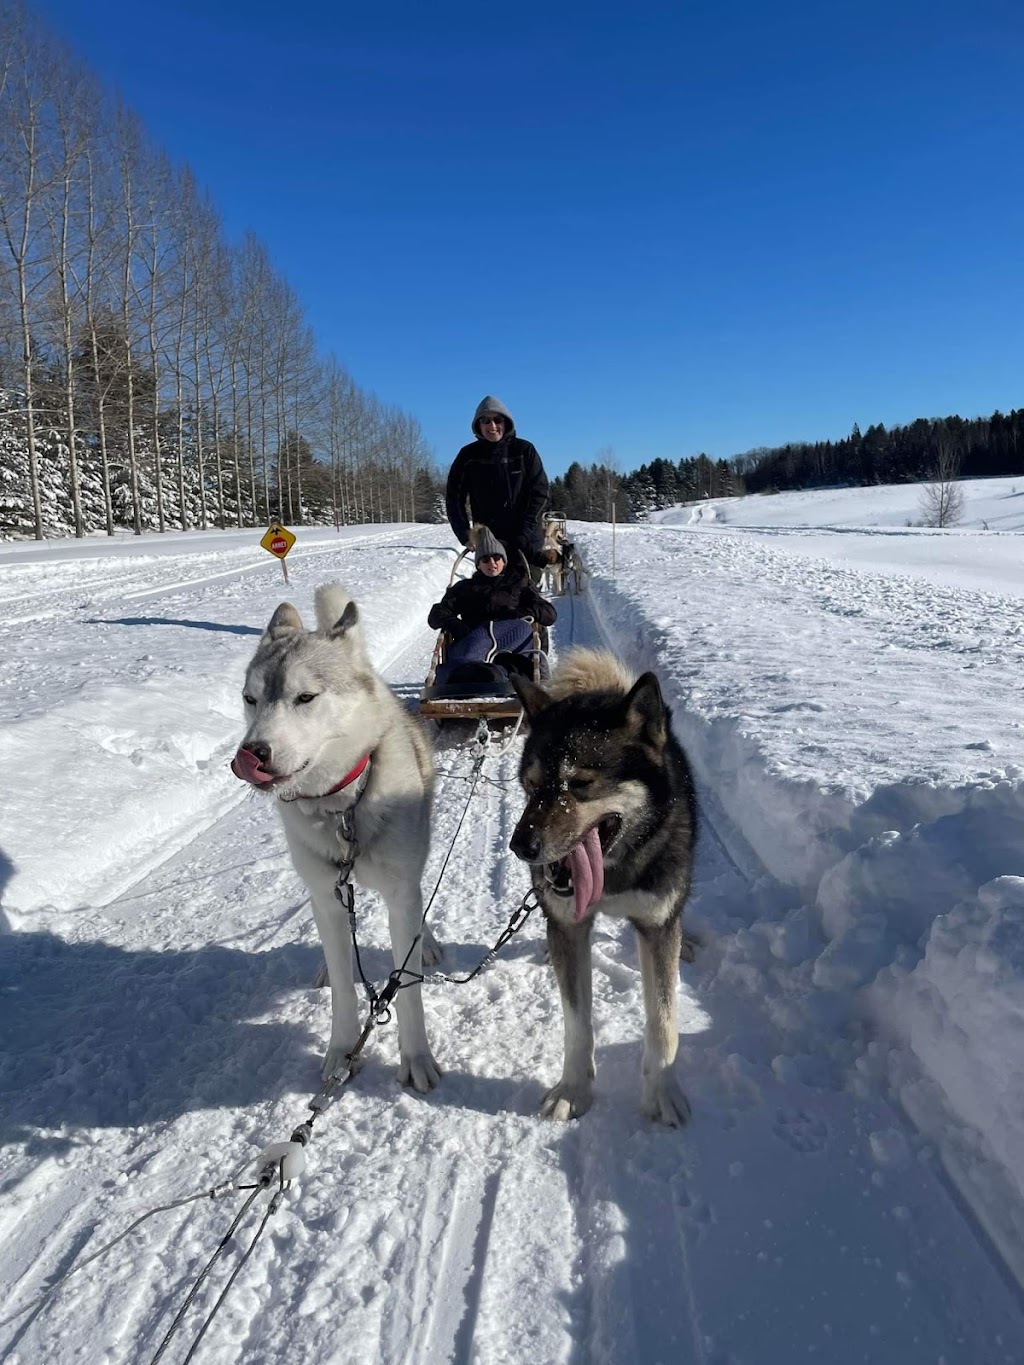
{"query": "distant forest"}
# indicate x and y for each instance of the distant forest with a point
(598, 492)
(976, 448)
(927, 449)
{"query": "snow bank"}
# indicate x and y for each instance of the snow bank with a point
(904, 852)
(116, 793)
(960, 1013)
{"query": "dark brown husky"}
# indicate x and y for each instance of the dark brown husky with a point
(609, 826)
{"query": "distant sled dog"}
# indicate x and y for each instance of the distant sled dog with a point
(316, 710)
(610, 825)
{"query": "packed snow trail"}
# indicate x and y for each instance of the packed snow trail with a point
(161, 1033)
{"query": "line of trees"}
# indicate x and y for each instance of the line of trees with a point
(976, 448)
(935, 451)
(600, 491)
(153, 374)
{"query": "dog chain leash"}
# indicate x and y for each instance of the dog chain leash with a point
(401, 978)
(286, 1158)
(345, 893)
(282, 1162)
(279, 1163)
(517, 919)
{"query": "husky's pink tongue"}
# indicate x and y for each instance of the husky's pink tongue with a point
(246, 765)
(586, 864)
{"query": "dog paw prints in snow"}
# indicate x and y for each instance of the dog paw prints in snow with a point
(889, 1147)
(696, 1212)
(795, 939)
(812, 1070)
(801, 1131)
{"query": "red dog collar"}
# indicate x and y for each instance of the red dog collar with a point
(346, 781)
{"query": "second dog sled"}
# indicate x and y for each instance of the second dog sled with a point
(564, 569)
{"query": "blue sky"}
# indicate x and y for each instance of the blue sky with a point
(659, 228)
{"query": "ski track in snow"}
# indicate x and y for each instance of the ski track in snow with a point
(169, 1030)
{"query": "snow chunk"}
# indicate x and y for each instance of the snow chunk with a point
(961, 1011)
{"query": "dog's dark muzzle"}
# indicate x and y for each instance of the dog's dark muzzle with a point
(525, 842)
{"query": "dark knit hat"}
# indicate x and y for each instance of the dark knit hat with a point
(488, 544)
(492, 405)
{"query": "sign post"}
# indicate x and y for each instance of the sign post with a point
(279, 540)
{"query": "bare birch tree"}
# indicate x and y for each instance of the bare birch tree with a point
(99, 210)
(201, 244)
(24, 109)
(216, 316)
(156, 303)
(254, 280)
(129, 164)
(76, 109)
(237, 345)
(942, 500)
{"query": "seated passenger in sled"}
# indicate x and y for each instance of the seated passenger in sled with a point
(495, 623)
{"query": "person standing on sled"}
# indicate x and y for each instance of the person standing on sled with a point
(501, 478)
(488, 616)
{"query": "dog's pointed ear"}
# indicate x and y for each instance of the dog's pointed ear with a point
(283, 622)
(348, 618)
(534, 698)
(646, 712)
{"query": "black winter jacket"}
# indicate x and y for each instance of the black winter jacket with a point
(472, 601)
(506, 488)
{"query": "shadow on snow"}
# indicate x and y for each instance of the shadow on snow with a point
(94, 1035)
(171, 621)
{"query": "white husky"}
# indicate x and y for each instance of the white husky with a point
(317, 711)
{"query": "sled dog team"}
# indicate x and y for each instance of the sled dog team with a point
(609, 827)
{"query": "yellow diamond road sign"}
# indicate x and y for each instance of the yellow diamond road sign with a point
(278, 540)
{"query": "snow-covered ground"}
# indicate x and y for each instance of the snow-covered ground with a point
(851, 1185)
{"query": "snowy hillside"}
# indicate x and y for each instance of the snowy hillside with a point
(851, 1185)
(989, 505)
